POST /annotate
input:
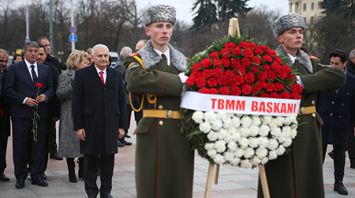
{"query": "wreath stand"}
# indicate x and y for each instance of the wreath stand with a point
(234, 32)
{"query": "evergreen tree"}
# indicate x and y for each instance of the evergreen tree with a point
(205, 14)
(232, 8)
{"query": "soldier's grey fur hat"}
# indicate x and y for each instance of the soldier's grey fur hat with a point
(286, 22)
(159, 13)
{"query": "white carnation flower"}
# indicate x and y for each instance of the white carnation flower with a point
(261, 152)
(222, 134)
(249, 152)
(246, 121)
(209, 146)
(287, 142)
(239, 152)
(280, 120)
(210, 116)
(273, 144)
(232, 146)
(212, 153)
(276, 132)
(264, 160)
(254, 131)
(221, 115)
(197, 116)
(287, 120)
(263, 142)
(255, 160)
(235, 122)
(281, 150)
(243, 142)
(205, 127)
(220, 146)
(286, 131)
(217, 125)
(239, 114)
(256, 121)
(293, 133)
(235, 161)
(293, 119)
(227, 123)
(218, 159)
(267, 119)
(235, 137)
(253, 142)
(264, 130)
(244, 132)
(212, 136)
(228, 156)
(272, 155)
(245, 164)
(273, 123)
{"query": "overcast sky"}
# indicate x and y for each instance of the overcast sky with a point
(184, 7)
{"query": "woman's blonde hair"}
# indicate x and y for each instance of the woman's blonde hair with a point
(75, 58)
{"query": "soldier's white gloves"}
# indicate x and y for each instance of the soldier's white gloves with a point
(183, 77)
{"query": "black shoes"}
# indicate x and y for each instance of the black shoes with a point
(120, 143)
(39, 182)
(20, 183)
(126, 143)
(4, 178)
(72, 178)
(340, 188)
(55, 156)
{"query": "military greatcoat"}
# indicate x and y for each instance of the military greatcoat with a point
(164, 159)
(298, 173)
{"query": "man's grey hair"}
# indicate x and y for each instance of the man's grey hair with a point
(30, 44)
(97, 46)
(2, 51)
(352, 53)
(125, 52)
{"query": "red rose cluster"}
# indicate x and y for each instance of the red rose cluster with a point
(244, 69)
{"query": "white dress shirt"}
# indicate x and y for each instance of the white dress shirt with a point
(166, 53)
(104, 74)
(30, 68)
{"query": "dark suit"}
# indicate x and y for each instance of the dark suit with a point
(337, 111)
(19, 85)
(4, 124)
(101, 111)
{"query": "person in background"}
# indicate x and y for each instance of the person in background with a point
(337, 108)
(99, 116)
(298, 173)
(28, 85)
(4, 116)
(69, 145)
(17, 58)
(54, 106)
(164, 160)
(124, 53)
(140, 44)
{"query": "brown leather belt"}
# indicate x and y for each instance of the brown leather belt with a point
(307, 110)
(157, 113)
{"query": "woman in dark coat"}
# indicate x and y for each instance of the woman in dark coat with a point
(69, 145)
(298, 173)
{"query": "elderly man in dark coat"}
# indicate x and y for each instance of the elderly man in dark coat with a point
(99, 115)
(337, 111)
(298, 173)
(164, 160)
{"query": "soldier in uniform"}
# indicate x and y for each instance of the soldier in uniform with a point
(298, 173)
(164, 159)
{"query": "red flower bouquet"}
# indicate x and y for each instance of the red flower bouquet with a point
(232, 75)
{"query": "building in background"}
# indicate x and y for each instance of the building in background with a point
(309, 9)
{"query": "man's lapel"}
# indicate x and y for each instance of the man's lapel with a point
(26, 72)
(94, 75)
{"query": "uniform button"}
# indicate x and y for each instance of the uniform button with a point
(333, 102)
(340, 116)
(331, 114)
(313, 102)
(313, 115)
(161, 122)
(342, 104)
(160, 107)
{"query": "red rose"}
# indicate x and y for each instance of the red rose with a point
(226, 62)
(249, 78)
(279, 86)
(224, 91)
(243, 44)
(204, 90)
(264, 95)
(248, 53)
(235, 62)
(245, 62)
(271, 75)
(235, 91)
(214, 54)
(212, 82)
(269, 87)
(283, 75)
(38, 85)
(256, 60)
(206, 62)
(230, 45)
(226, 53)
(237, 51)
(217, 62)
(196, 66)
(213, 91)
(285, 95)
(267, 58)
(200, 82)
(262, 76)
(246, 89)
(190, 81)
(274, 95)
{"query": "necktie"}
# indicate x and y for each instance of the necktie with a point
(102, 77)
(33, 73)
(164, 58)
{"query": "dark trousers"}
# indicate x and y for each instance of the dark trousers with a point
(339, 161)
(4, 135)
(351, 148)
(92, 163)
(50, 145)
(27, 152)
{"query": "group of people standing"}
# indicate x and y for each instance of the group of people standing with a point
(94, 107)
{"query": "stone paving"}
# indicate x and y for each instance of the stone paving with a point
(233, 182)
